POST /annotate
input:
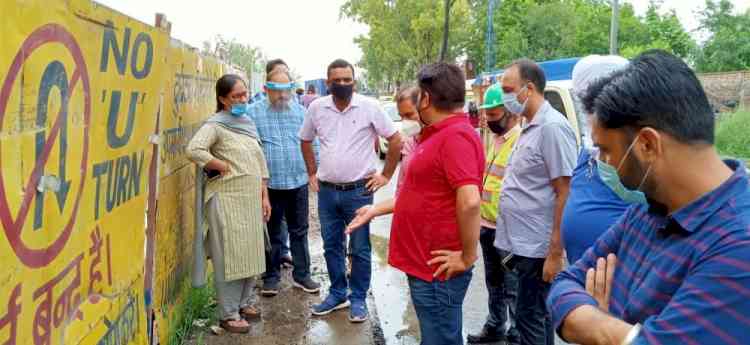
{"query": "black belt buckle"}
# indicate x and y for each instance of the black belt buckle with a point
(343, 186)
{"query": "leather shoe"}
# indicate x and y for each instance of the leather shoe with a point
(486, 336)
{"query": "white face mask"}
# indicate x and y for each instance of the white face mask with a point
(410, 128)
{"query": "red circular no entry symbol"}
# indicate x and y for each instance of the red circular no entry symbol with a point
(13, 227)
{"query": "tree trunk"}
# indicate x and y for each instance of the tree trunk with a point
(446, 28)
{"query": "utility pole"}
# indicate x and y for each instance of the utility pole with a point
(489, 39)
(446, 29)
(614, 27)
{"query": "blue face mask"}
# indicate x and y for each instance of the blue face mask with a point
(239, 109)
(511, 103)
(609, 175)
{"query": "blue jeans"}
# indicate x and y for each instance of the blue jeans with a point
(293, 205)
(337, 208)
(502, 287)
(439, 308)
(532, 319)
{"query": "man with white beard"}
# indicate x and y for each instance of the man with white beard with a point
(279, 120)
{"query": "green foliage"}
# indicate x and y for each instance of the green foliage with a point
(199, 304)
(630, 52)
(407, 34)
(666, 32)
(728, 45)
(732, 134)
(248, 58)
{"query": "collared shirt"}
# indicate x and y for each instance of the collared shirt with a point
(497, 155)
(592, 207)
(308, 98)
(258, 97)
(449, 155)
(685, 276)
(546, 150)
(347, 152)
(279, 133)
(407, 148)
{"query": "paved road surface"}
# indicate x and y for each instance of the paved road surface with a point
(389, 287)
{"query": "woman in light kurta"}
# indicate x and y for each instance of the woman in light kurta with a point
(236, 204)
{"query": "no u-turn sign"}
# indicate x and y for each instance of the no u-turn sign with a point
(60, 143)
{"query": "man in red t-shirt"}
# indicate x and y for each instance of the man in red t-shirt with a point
(435, 227)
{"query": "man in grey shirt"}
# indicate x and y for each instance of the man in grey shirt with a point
(534, 192)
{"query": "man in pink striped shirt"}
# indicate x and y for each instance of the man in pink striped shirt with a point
(346, 125)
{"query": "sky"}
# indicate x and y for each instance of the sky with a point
(307, 34)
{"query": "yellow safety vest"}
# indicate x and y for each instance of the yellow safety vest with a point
(497, 160)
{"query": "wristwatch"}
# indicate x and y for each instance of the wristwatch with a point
(630, 337)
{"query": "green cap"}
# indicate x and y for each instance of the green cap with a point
(493, 97)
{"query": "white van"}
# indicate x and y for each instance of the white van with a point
(559, 94)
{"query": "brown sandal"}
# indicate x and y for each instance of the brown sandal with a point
(234, 329)
(250, 313)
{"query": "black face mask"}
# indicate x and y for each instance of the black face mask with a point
(342, 92)
(497, 127)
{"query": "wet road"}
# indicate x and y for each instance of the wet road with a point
(391, 293)
(390, 290)
(286, 318)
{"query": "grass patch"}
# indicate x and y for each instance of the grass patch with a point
(733, 135)
(198, 304)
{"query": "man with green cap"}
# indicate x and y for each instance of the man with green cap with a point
(501, 283)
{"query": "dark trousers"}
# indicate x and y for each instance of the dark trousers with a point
(502, 288)
(291, 205)
(284, 239)
(532, 319)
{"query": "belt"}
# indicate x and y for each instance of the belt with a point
(344, 186)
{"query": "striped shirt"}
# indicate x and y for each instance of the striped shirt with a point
(685, 277)
(279, 133)
(347, 138)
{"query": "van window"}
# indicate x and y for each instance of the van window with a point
(554, 99)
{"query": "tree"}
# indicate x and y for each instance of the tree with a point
(403, 36)
(248, 58)
(667, 32)
(728, 45)
(446, 27)
(545, 30)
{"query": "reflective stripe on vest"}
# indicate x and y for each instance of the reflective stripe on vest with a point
(487, 196)
(493, 179)
(496, 171)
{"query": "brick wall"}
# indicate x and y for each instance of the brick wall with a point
(726, 87)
